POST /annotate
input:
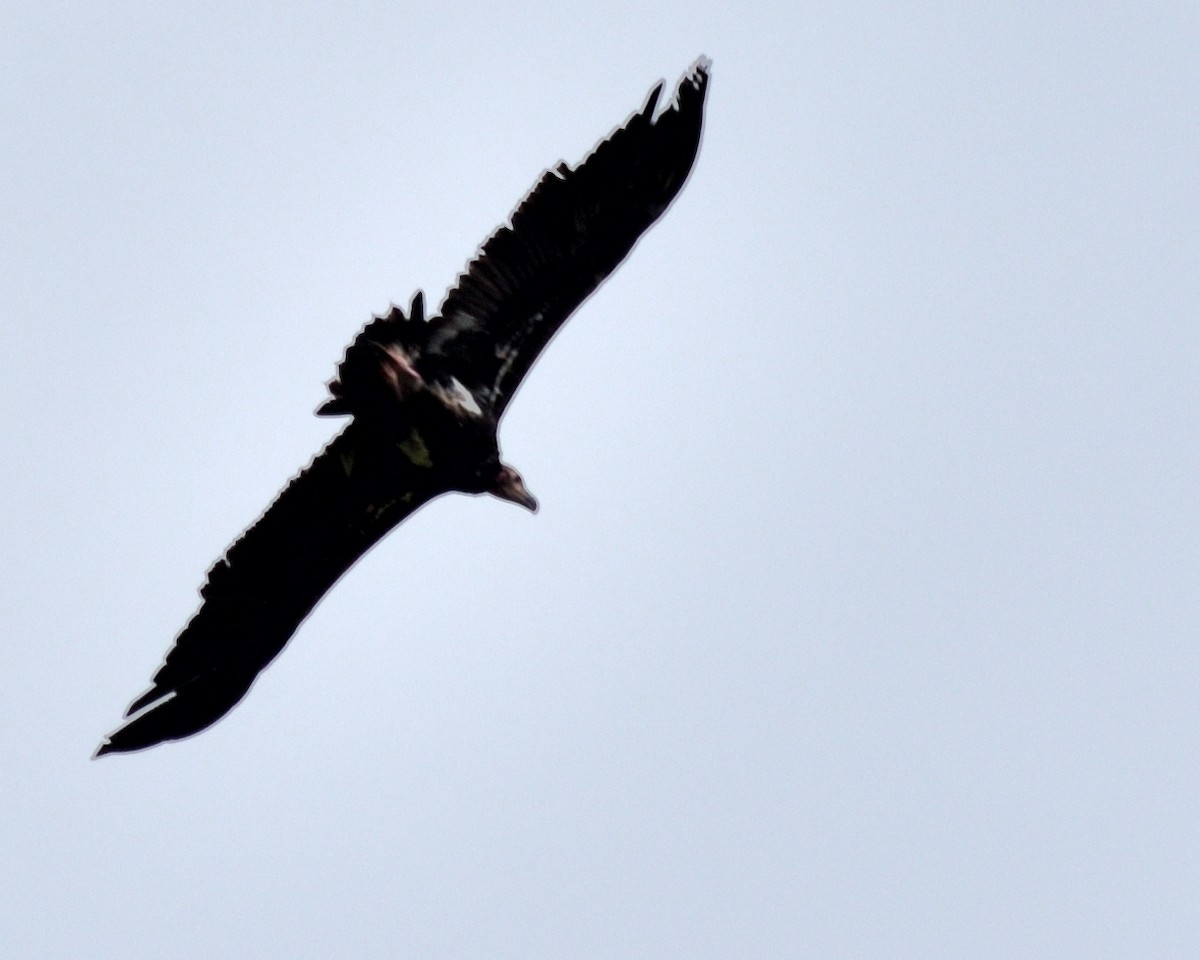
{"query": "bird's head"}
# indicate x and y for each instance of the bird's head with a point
(508, 485)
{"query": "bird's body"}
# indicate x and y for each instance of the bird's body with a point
(426, 398)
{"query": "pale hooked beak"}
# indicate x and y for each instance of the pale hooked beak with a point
(509, 486)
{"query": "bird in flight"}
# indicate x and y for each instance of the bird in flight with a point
(425, 397)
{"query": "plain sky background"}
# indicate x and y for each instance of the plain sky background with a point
(862, 614)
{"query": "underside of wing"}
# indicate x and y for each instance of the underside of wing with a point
(568, 234)
(256, 596)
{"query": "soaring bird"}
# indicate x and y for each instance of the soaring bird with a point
(425, 397)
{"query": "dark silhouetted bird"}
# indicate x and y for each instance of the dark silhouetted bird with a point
(426, 396)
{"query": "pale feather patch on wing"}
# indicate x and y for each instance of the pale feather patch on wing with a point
(508, 353)
(413, 447)
(456, 394)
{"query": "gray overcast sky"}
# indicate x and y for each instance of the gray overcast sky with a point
(861, 617)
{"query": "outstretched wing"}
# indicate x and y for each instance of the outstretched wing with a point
(567, 235)
(255, 597)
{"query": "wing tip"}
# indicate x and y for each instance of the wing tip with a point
(694, 80)
(125, 739)
(109, 745)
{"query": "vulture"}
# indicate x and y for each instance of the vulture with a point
(425, 396)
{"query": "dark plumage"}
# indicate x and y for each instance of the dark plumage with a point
(426, 397)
